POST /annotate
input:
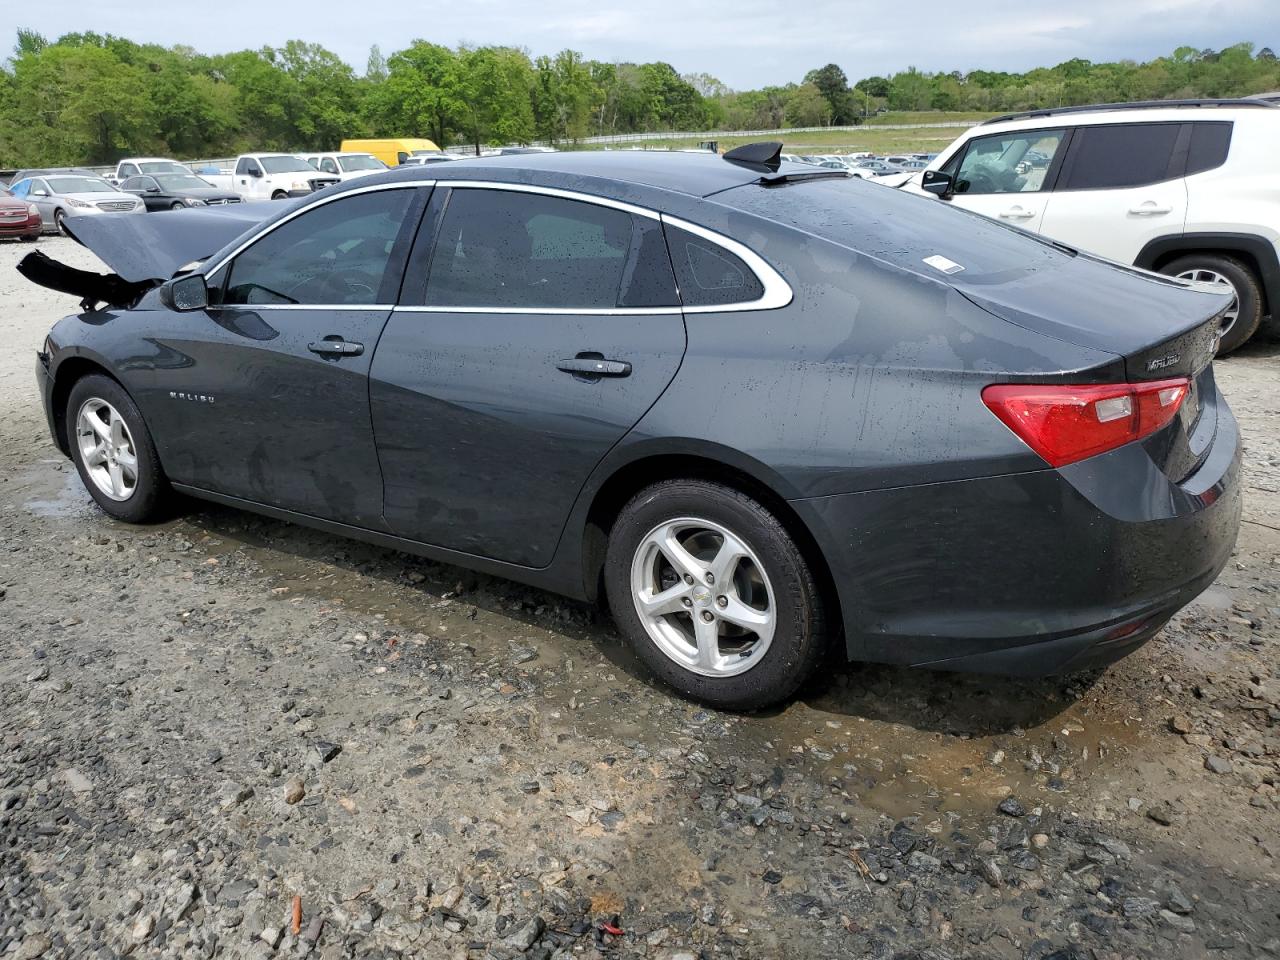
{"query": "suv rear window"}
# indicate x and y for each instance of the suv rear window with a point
(1129, 155)
(1209, 145)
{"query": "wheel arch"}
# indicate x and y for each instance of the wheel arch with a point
(1257, 253)
(65, 376)
(629, 478)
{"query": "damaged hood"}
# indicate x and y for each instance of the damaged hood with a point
(155, 246)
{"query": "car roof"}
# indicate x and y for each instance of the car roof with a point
(1137, 112)
(693, 174)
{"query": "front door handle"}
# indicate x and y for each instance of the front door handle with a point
(334, 346)
(595, 366)
(1017, 213)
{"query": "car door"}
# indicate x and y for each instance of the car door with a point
(532, 335)
(1007, 176)
(1122, 185)
(249, 178)
(267, 397)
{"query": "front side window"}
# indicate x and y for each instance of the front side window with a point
(1128, 155)
(137, 183)
(128, 170)
(328, 166)
(337, 253)
(246, 165)
(1015, 162)
(708, 274)
(498, 248)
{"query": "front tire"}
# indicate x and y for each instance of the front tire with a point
(1229, 272)
(114, 453)
(58, 216)
(177, 206)
(279, 195)
(713, 594)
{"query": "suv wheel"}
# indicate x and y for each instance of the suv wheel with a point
(1242, 320)
(113, 452)
(713, 594)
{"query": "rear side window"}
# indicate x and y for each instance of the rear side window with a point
(502, 249)
(708, 274)
(1111, 157)
(1209, 145)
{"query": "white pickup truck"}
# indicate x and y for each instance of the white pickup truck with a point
(270, 176)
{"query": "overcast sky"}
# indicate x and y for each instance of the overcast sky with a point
(746, 43)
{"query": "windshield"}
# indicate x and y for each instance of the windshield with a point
(79, 185)
(163, 166)
(359, 161)
(286, 165)
(181, 181)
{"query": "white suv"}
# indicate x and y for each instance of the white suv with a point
(1187, 188)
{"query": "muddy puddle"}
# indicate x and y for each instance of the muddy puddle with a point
(943, 748)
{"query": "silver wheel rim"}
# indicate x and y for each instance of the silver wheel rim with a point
(1203, 275)
(703, 597)
(106, 449)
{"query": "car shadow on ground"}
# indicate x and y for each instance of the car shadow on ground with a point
(404, 587)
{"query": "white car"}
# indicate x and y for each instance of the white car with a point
(271, 176)
(1186, 188)
(138, 166)
(58, 196)
(346, 166)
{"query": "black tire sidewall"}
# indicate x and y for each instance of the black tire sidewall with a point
(1248, 294)
(799, 633)
(148, 500)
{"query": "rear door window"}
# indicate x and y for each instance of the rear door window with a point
(1124, 155)
(501, 249)
(708, 274)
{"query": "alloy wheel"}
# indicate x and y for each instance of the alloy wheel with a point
(106, 449)
(703, 597)
(1204, 275)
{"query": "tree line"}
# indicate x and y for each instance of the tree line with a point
(92, 98)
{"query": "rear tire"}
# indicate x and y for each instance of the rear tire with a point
(742, 641)
(114, 453)
(1215, 268)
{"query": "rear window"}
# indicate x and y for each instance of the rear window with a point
(1131, 155)
(1209, 145)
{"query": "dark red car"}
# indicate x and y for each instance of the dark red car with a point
(18, 218)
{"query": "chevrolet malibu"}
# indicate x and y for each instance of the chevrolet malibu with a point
(759, 407)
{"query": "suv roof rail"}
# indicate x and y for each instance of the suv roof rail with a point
(1135, 105)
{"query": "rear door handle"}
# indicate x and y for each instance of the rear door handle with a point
(1149, 209)
(595, 367)
(1017, 213)
(336, 347)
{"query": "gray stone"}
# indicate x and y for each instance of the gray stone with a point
(525, 935)
(1216, 764)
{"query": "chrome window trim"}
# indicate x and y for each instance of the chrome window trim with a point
(552, 192)
(344, 307)
(399, 185)
(551, 311)
(777, 292)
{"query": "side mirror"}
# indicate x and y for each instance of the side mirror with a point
(153, 189)
(938, 183)
(255, 171)
(185, 293)
(39, 193)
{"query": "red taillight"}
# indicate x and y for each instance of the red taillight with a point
(1068, 423)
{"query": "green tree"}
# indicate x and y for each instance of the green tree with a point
(807, 106)
(834, 86)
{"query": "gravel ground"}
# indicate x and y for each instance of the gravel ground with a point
(206, 723)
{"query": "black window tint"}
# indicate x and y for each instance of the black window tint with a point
(500, 248)
(708, 274)
(1209, 145)
(337, 253)
(133, 183)
(1132, 155)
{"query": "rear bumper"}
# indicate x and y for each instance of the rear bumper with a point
(1031, 574)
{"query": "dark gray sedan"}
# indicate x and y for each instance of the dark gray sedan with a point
(759, 407)
(176, 191)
